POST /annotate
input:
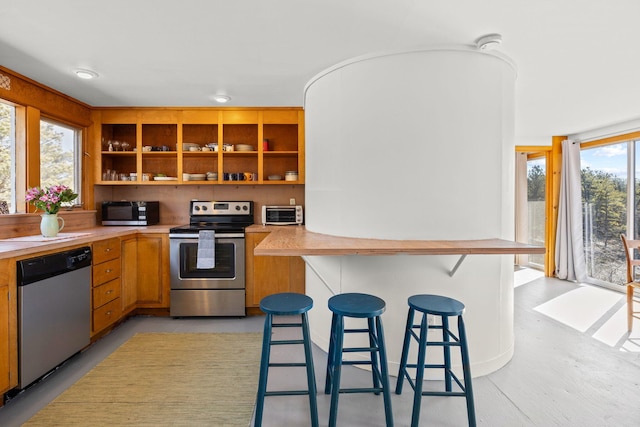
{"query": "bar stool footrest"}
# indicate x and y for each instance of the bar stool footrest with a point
(376, 390)
(359, 349)
(356, 362)
(445, 393)
(287, 364)
(286, 325)
(287, 342)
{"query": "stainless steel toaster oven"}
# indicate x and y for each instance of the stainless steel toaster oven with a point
(282, 215)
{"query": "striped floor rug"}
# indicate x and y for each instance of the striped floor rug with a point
(165, 379)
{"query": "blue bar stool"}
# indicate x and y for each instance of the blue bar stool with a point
(361, 306)
(286, 304)
(444, 308)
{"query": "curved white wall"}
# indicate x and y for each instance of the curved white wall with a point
(415, 145)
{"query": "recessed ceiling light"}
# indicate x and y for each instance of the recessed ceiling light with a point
(488, 42)
(86, 74)
(222, 99)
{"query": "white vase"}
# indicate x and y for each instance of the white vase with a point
(51, 224)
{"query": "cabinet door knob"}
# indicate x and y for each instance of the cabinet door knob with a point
(109, 291)
(108, 249)
(108, 270)
(108, 313)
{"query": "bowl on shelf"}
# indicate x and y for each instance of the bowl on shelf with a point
(187, 146)
(197, 176)
(291, 176)
(244, 147)
(274, 177)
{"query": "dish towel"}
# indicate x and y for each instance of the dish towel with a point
(206, 249)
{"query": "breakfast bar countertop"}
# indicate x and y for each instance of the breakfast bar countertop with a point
(297, 241)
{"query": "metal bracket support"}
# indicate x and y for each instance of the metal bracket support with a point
(455, 267)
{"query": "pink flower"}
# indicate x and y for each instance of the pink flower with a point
(50, 199)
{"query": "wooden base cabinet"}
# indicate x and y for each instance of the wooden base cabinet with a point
(105, 290)
(267, 275)
(145, 272)
(8, 326)
(153, 271)
(129, 274)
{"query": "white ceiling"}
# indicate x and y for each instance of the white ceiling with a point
(577, 59)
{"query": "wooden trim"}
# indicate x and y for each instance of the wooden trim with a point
(21, 157)
(610, 140)
(551, 199)
(33, 147)
(22, 90)
(532, 148)
(554, 169)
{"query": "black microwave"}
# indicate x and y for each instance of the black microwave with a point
(130, 213)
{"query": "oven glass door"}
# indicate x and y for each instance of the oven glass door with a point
(225, 262)
(228, 272)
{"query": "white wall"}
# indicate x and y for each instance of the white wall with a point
(415, 145)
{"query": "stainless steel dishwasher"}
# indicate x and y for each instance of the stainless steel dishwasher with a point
(54, 311)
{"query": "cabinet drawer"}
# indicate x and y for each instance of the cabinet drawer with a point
(105, 293)
(106, 315)
(104, 250)
(106, 271)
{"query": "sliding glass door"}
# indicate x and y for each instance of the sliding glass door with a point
(608, 209)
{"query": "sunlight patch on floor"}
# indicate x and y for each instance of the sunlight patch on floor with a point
(580, 308)
(633, 343)
(526, 275)
(615, 328)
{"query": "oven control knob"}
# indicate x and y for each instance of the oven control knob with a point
(204, 207)
(237, 207)
(245, 208)
(196, 208)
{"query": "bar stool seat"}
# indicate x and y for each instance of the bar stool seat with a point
(286, 304)
(442, 307)
(361, 306)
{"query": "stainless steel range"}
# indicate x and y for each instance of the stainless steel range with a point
(219, 290)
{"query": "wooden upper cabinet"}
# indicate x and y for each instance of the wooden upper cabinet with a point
(119, 116)
(158, 116)
(280, 117)
(200, 116)
(239, 117)
(171, 134)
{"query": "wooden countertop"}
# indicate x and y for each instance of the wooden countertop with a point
(25, 246)
(297, 241)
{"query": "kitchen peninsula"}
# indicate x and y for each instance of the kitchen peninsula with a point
(297, 241)
(325, 256)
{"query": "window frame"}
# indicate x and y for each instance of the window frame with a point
(78, 155)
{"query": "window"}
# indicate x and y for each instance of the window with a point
(536, 207)
(607, 209)
(531, 205)
(7, 158)
(60, 156)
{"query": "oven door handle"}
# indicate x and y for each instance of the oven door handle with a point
(195, 236)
